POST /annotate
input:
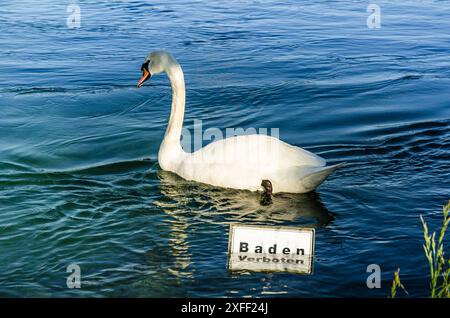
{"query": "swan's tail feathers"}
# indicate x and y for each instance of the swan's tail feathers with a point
(318, 175)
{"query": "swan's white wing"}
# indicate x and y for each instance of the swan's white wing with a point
(252, 151)
(241, 162)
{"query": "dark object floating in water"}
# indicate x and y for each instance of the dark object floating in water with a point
(266, 197)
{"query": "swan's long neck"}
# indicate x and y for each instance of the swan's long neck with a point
(171, 151)
(176, 77)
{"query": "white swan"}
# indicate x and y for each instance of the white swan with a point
(239, 162)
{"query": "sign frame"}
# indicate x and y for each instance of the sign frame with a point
(233, 226)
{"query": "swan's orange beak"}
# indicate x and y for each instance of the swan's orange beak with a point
(145, 76)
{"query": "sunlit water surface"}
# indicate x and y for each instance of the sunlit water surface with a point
(79, 178)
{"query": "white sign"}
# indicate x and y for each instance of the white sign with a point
(270, 249)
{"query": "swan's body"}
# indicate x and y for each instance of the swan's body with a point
(239, 162)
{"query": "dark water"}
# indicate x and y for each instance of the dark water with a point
(79, 179)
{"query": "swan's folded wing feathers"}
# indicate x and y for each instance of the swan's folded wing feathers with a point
(259, 150)
(302, 156)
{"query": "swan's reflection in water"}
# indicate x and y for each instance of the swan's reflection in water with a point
(192, 202)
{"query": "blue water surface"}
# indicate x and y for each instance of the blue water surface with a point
(79, 178)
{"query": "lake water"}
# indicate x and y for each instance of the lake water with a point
(79, 178)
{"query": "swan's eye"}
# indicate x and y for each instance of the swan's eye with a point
(145, 66)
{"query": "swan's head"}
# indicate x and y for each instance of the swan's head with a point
(156, 62)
